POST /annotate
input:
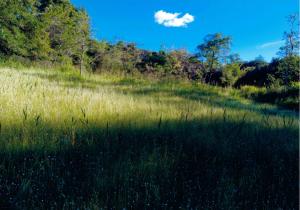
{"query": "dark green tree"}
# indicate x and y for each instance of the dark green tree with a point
(21, 30)
(288, 69)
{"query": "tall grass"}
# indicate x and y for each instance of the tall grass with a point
(105, 142)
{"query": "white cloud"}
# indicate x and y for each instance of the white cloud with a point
(173, 19)
(270, 44)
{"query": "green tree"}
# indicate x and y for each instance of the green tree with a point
(288, 69)
(97, 52)
(234, 58)
(82, 30)
(176, 60)
(214, 51)
(42, 5)
(68, 29)
(21, 30)
(230, 74)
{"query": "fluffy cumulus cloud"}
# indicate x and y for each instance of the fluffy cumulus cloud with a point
(173, 19)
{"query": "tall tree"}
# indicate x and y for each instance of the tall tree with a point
(291, 37)
(82, 36)
(288, 70)
(69, 32)
(21, 31)
(214, 51)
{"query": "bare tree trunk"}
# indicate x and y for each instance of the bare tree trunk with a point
(81, 58)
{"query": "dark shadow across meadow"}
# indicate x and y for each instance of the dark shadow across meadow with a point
(188, 164)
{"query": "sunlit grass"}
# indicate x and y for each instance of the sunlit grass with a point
(135, 138)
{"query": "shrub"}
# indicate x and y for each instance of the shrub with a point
(252, 91)
(230, 74)
(288, 70)
(286, 97)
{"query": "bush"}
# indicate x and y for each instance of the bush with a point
(288, 70)
(230, 74)
(279, 72)
(295, 85)
(252, 91)
(286, 97)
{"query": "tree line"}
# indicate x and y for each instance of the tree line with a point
(57, 32)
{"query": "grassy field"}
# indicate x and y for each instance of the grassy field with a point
(108, 142)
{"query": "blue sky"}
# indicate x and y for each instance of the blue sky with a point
(256, 26)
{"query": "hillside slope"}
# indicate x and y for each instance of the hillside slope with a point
(91, 142)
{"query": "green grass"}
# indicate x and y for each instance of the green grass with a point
(108, 142)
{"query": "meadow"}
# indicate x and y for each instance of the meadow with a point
(117, 142)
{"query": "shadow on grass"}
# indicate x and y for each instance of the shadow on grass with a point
(199, 164)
